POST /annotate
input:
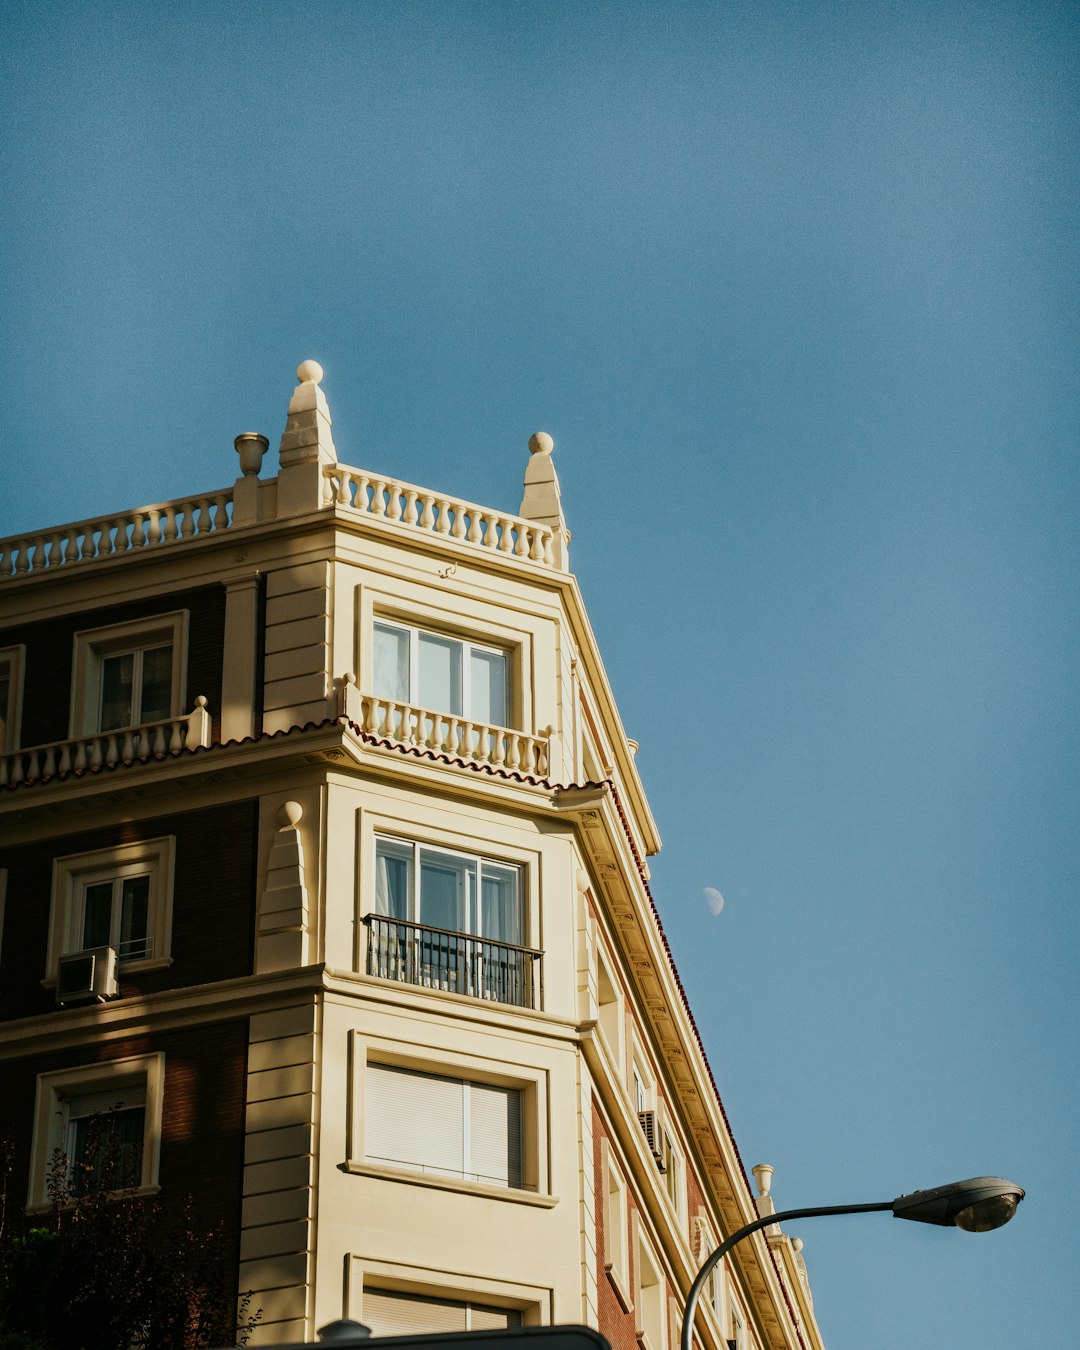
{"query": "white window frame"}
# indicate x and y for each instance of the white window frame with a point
(71, 876)
(531, 1083)
(478, 859)
(642, 1079)
(93, 645)
(715, 1291)
(650, 1292)
(55, 1090)
(675, 1173)
(463, 1095)
(611, 1009)
(12, 662)
(363, 1272)
(467, 645)
(616, 1226)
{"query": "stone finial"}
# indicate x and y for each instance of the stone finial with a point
(541, 444)
(763, 1175)
(251, 447)
(308, 435)
(542, 500)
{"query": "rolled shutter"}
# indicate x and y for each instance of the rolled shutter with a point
(390, 1313)
(413, 1120)
(495, 1134)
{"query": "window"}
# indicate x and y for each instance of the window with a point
(615, 1225)
(650, 1304)
(129, 675)
(446, 1126)
(715, 1291)
(453, 891)
(445, 674)
(610, 1008)
(104, 1138)
(124, 1097)
(641, 1081)
(451, 921)
(673, 1174)
(389, 1312)
(118, 897)
(11, 662)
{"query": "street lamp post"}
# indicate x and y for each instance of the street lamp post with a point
(977, 1206)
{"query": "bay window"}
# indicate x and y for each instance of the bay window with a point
(449, 920)
(453, 891)
(444, 674)
(448, 1127)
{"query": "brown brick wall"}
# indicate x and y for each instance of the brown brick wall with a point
(46, 705)
(615, 1324)
(202, 1144)
(213, 903)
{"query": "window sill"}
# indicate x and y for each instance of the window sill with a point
(412, 1178)
(618, 1284)
(136, 1193)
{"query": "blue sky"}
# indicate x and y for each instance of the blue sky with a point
(794, 287)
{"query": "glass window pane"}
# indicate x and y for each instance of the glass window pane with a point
(390, 649)
(134, 908)
(393, 864)
(500, 904)
(440, 674)
(97, 915)
(487, 680)
(156, 702)
(116, 677)
(446, 887)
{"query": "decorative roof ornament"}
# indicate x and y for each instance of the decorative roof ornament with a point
(542, 500)
(308, 435)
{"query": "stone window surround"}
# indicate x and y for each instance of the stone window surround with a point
(50, 1116)
(535, 1108)
(487, 627)
(90, 645)
(533, 1301)
(12, 664)
(72, 873)
(376, 823)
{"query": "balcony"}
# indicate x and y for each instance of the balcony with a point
(459, 963)
(404, 724)
(104, 749)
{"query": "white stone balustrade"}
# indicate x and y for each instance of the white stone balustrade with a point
(103, 749)
(407, 505)
(122, 533)
(446, 733)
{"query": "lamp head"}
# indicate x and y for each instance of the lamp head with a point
(976, 1205)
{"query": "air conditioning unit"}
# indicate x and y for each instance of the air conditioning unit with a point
(651, 1128)
(87, 977)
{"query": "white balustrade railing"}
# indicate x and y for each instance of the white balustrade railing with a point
(446, 733)
(105, 748)
(404, 504)
(121, 533)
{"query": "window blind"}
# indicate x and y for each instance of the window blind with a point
(390, 1313)
(448, 1126)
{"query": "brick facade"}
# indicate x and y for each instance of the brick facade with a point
(202, 1126)
(46, 707)
(213, 903)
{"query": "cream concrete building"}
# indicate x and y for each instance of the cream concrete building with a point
(325, 859)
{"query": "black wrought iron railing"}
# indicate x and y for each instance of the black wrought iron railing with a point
(461, 963)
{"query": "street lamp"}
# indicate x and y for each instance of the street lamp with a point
(976, 1206)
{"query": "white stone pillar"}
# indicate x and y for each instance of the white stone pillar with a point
(239, 658)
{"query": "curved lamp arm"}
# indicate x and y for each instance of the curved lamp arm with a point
(977, 1205)
(726, 1246)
